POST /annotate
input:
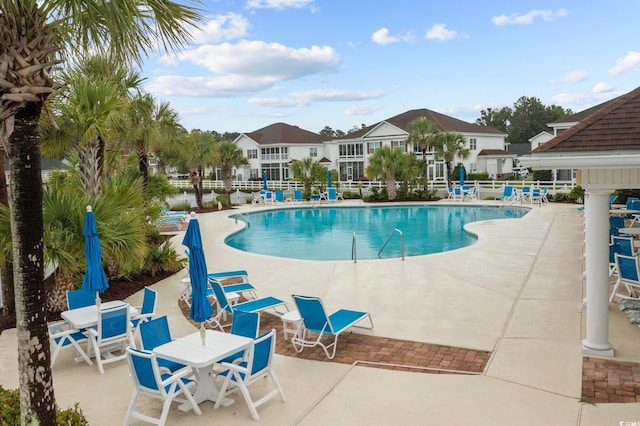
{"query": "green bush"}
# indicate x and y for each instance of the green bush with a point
(10, 411)
(349, 195)
(183, 206)
(478, 176)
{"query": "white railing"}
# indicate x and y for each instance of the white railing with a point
(485, 188)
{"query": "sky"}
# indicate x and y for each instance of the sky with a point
(345, 63)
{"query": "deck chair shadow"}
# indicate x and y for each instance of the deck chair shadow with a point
(628, 277)
(258, 365)
(316, 322)
(113, 333)
(150, 381)
(154, 333)
(254, 305)
(63, 336)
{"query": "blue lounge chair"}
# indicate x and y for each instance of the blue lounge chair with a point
(244, 287)
(332, 195)
(280, 196)
(315, 320)
(258, 365)
(254, 305)
(297, 196)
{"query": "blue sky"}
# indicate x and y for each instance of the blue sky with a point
(343, 63)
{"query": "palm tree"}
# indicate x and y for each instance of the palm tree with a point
(387, 164)
(306, 170)
(196, 154)
(422, 133)
(151, 126)
(226, 156)
(450, 145)
(35, 37)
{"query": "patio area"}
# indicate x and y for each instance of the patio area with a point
(515, 295)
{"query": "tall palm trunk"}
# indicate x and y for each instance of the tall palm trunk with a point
(37, 400)
(143, 164)
(91, 167)
(392, 191)
(6, 267)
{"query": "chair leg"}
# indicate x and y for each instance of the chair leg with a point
(247, 398)
(132, 406)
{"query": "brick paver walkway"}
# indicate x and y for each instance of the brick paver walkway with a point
(602, 380)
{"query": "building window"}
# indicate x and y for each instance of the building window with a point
(350, 170)
(253, 174)
(313, 152)
(351, 150)
(252, 153)
(473, 144)
(473, 168)
(398, 144)
(373, 147)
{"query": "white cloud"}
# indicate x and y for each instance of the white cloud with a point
(528, 18)
(578, 100)
(277, 4)
(208, 87)
(631, 62)
(222, 27)
(358, 109)
(440, 32)
(602, 88)
(575, 76)
(305, 98)
(383, 38)
(265, 60)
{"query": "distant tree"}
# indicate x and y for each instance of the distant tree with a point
(387, 164)
(327, 132)
(497, 118)
(525, 119)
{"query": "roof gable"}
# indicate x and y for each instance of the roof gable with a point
(281, 133)
(615, 126)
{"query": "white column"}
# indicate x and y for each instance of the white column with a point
(596, 211)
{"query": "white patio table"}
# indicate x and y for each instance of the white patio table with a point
(630, 231)
(87, 317)
(190, 350)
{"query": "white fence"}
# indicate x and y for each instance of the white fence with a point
(486, 188)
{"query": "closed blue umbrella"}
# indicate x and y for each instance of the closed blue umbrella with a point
(264, 181)
(329, 178)
(95, 279)
(201, 309)
(461, 168)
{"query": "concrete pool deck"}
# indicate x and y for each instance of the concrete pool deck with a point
(517, 292)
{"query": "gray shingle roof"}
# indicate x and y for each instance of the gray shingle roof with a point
(614, 126)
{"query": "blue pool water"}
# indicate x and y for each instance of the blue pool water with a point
(326, 233)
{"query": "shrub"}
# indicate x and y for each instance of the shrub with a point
(10, 411)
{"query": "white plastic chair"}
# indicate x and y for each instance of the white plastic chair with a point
(628, 276)
(113, 332)
(63, 336)
(257, 366)
(146, 311)
(149, 381)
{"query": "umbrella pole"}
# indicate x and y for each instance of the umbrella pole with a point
(203, 332)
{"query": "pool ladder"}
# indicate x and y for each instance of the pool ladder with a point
(353, 244)
(243, 217)
(389, 239)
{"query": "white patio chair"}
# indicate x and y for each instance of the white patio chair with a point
(63, 336)
(149, 381)
(146, 311)
(628, 272)
(257, 366)
(113, 333)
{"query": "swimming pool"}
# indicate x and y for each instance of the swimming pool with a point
(326, 233)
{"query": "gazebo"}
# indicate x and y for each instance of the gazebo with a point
(604, 148)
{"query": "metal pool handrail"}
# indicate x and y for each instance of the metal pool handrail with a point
(353, 248)
(243, 217)
(388, 239)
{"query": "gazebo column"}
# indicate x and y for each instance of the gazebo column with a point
(597, 272)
